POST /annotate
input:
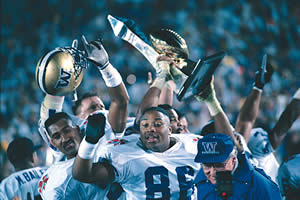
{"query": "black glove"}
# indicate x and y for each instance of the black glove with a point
(263, 75)
(96, 52)
(95, 128)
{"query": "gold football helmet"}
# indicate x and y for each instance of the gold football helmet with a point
(60, 71)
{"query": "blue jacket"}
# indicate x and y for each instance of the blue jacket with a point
(248, 183)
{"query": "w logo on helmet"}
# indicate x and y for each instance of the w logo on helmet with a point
(209, 147)
(64, 79)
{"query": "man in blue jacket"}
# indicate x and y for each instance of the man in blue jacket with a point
(216, 152)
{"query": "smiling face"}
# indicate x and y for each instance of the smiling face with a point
(90, 105)
(184, 124)
(210, 170)
(176, 124)
(155, 131)
(65, 137)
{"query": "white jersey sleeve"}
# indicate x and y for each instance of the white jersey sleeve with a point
(145, 174)
(50, 106)
(22, 184)
(58, 183)
(261, 149)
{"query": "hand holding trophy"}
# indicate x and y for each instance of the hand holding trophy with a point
(190, 77)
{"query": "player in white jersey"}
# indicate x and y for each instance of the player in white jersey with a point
(262, 150)
(117, 114)
(262, 144)
(24, 182)
(57, 182)
(154, 166)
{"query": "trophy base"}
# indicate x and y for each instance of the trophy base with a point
(200, 77)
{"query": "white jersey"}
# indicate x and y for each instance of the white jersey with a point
(48, 109)
(23, 184)
(261, 149)
(58, 183)
(145, 174)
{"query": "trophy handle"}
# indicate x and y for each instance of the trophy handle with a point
(200, 76)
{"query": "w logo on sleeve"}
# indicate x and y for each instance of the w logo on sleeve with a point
(64, 79)
(209, 148)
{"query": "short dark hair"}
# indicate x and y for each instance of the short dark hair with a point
(20, 150)
(55, 118)
(77, 104)
(180, 114)
(158, 109)
(155, 108)
(165, 106)
(208, 128)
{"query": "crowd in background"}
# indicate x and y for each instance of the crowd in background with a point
(245, 30)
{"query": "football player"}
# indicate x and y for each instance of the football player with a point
(156, 165)
(117, 114)
(261, 143)
(57, 182)
(23, 183)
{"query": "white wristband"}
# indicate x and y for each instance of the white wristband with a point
(51, 104)
(86, 150)
(54, 102)
(214, 107)
(158, 83)
(111, 76)
(297, 94)
(256, 88)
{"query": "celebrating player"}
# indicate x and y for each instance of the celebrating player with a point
(96, 53)
(154, 166)
(24, 182)
(138, 162)
(57, 182)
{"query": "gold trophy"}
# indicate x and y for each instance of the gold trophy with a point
(190, 77)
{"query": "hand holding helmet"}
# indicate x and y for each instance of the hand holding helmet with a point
(96, 52)
(60, 71)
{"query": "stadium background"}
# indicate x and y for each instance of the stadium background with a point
(245, 30)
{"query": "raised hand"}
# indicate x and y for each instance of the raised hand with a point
(96, 52)
(95, 128)
(263, 74)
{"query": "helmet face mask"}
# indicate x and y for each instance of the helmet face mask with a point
(60, 71)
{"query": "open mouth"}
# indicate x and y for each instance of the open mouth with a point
(179, 130)
(151, 138)
(69, 145)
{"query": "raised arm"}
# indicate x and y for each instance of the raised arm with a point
(153, 94)
(84, 169)
(248, 114)
(249, 111)
(118, 109)
(287, 118)
(50, 106)
(221, 122)
(166, 95)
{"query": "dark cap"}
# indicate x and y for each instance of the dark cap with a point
(20, 149)
(214, 148)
